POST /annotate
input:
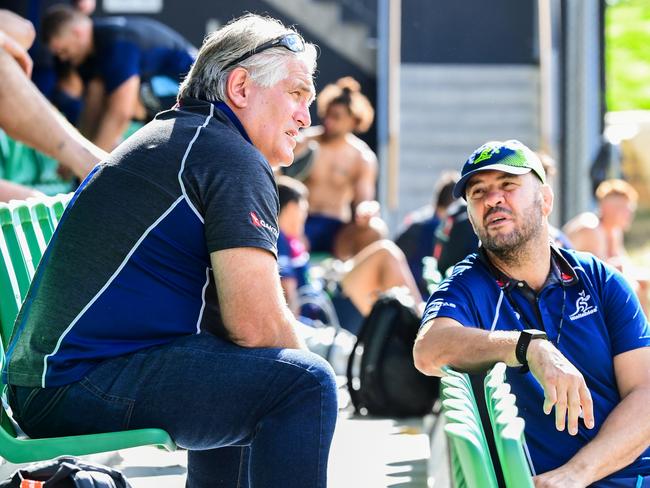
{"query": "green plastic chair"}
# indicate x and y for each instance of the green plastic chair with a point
(508, 429)
(14, 242)
(470, 460)
(32, 234)
(57, 206)
(10, 297)
(42, 217)
(477, 471)
(17, 449)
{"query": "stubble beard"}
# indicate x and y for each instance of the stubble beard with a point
(512, 248)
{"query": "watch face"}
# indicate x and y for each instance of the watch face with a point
(535, 334)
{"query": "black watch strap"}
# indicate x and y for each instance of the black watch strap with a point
(521, 348)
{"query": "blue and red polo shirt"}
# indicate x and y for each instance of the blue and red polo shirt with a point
(588, 311)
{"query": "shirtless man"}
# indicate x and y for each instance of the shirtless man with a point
(344, 172)
(602, 234)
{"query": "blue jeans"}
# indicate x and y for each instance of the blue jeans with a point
(248, 417)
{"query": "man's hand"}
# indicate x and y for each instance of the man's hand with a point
(366, 211)
(559, 478)
(17, 52)
(564, 387)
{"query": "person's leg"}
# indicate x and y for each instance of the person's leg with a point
(233, 463)
(378, 267)
(209, 394)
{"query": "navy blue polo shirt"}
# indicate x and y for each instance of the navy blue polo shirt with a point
(589, 312)
(129, 264)
(128, 46)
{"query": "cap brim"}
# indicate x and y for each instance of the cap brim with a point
(459, 188)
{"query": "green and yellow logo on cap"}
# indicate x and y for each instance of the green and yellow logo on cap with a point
(486, 153)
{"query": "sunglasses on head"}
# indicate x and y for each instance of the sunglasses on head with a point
(293, 42)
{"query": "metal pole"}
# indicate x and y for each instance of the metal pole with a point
(394, 62)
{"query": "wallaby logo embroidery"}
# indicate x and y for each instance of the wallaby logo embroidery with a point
(583, 307)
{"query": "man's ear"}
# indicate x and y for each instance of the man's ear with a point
(237, 87)
(547, 199)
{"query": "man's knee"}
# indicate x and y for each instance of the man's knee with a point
(318, 369)
(389, 250)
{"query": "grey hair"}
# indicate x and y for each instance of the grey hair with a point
(207, 79)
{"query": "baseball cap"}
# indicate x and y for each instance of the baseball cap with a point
(509, 156)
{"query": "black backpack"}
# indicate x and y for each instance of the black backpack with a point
(382, 379)
(67, 472)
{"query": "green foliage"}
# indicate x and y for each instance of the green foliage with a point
(627, 56)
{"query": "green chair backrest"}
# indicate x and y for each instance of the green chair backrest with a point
(470, 459)
(10, 297)
(476, 468)
(508, 429)
(31, 232)
(15, 242)
(43, 218)
(18, 244)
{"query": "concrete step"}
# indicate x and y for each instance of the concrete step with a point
(324, 21)
(446, 111)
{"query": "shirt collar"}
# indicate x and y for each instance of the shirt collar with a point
(560, 272)
(227, 111)
(222, 107)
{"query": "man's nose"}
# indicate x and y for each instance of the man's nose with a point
(494, 197)
(302, 116)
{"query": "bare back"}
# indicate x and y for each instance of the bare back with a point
(343, 173)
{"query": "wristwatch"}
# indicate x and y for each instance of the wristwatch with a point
(521, 348)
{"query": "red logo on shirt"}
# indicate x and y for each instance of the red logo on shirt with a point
(257, 222)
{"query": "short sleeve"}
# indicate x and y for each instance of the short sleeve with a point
(118, 62)
(626, 322)
(451, 300)
(233, 189)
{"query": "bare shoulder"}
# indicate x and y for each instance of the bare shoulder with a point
(586, 222)
(585, 234)
(362, 149)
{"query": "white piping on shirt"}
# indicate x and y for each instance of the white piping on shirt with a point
(496, 312)
(106, 285)
(187, 152)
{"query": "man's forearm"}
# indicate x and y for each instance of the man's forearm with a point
(13, 191)
(463, 348)
(622, 438)
(22, 103)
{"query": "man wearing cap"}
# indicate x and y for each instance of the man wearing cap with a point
(568, 326)
(158, 302)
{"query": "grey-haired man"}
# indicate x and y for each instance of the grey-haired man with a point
(159, 304)
(571, 319)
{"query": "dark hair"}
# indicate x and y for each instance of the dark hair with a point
(347, 92)
(56, 17)
(444, 194)
(290, 190)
